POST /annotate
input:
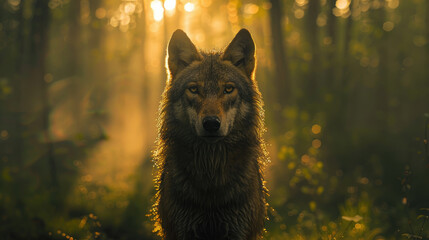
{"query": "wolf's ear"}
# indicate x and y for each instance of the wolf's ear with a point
(181, 52)
(241, 52)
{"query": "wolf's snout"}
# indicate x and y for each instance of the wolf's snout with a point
(211, 124)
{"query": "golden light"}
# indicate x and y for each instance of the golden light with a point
(342, 4)
(301, 2)
(316, 129)
(158, 10)
(358, 226)
(189, 7)
(388, 26)
(305, 159)
(125, 20)
(392, 3)
(129, 8)
(169, 5)
(14, 3)
(316, 143)
(100, 13)
(299, 13)
(114, 21)
(206, 3)
(251, 8)
(321, 20)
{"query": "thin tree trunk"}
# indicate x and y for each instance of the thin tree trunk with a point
(340, 33)
(345, 67)
(330, 51)
(427, 38)
(312, 82)
(344, 63)
(383, 80)
(74, 57)
(331, 22)
(282, 83)
(74, 37)
(39, 51)
(17, 83)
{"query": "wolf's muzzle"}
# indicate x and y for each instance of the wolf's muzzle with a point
(211, 124)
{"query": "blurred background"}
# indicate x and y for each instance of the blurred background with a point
(345, 84)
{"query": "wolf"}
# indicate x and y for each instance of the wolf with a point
(210, 151)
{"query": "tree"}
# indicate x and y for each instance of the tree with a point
(282, 83)
(38, 80)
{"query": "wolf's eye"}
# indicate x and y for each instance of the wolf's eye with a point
(193, 89)
(228, 89)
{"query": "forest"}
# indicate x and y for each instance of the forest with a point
(346, 91)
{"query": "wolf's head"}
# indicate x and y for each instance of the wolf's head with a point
(212, 94)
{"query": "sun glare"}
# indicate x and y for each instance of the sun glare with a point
(189, 7)
(169, 5)
(342, 4)
(158, 10)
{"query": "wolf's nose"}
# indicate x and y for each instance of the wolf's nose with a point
(211, 124)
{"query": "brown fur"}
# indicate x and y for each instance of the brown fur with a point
(210, 189)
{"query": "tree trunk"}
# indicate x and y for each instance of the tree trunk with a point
(383, 79)
(17, 105)
(330, 48)
(74, 62)
(331, 22)
(427, 39)
(312, 83)
(281, 81)
(38, 54)
(74, 38)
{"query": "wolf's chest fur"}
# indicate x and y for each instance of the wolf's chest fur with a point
(212, 174)
(214, 195)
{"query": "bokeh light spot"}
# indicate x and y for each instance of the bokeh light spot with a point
(392, 4)
(301, 2)
(321, 20)
(251, 8)
(189, 7)
(100, 13)
(4, 134)
(169, 5)
(342, 4)
(158, 10)
(299, 13)
(129, 8)
(316, 129)
(388, 26)
(316, 143)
